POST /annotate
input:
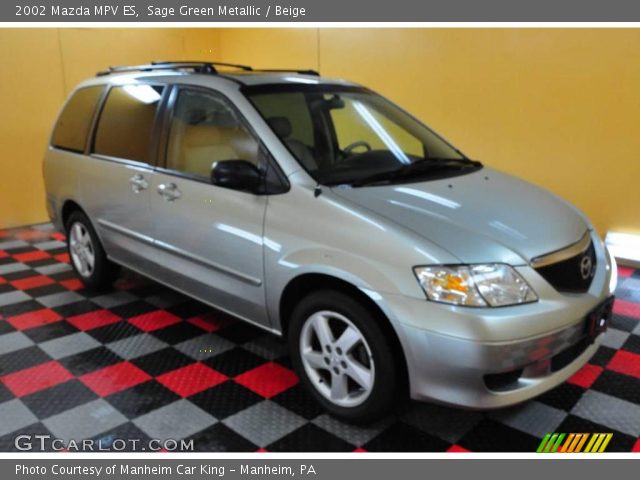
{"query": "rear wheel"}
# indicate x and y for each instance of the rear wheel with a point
(87, 255)
(342, 356)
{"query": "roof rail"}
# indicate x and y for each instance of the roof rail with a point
(206, 62)
(315, 73)
(195, 66)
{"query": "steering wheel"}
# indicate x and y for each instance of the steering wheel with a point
(348, 150)
(346, 153)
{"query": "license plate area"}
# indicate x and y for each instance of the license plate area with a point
(599, 318)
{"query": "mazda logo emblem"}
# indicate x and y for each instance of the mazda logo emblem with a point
(586, 266)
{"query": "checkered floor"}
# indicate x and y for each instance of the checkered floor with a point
(145, 362)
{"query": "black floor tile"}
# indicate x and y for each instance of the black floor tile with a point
(50, 331)
(90, 361)
(21, 359)
(564, 396)
(162, 361)
(234, 362)
(618, 385)
(299, 401)
(401, 437)
(142, 398)
(492, 436)
(225, 399)
(220, 438)
(59, 398)
(310, 438)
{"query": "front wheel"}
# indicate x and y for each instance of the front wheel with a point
(342, 356)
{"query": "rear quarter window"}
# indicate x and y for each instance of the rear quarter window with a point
(126, 122)
(74, 123)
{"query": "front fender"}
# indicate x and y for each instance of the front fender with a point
(370, 277)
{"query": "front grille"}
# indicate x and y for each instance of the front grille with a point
(574, 274)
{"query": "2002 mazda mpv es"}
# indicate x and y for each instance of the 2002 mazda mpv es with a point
(320, 211)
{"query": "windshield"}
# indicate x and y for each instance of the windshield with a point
(352, 135)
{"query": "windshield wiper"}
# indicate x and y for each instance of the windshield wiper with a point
(425, 165)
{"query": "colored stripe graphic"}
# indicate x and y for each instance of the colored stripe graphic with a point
(605, 442)
(567, 443)
(574, 443)
(581, 442)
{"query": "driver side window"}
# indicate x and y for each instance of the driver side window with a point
(205, 130)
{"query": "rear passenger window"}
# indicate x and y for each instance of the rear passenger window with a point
(126, 122)
(72, 129)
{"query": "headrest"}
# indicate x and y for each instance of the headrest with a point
(280, 125)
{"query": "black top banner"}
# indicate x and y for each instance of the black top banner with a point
(171, 11)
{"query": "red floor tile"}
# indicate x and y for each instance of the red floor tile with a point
(628, 309)
(148, 322)
(32, 282)
(34, 379)
(2, 280)
(210, 322)
(59, 236)
(114, 379)
(34, 319)
(268, 380)
(31, 256)
(32, 235)
(91, 320)
(625, 271)
(3, 254)
(192, 379)
(72, 284)
(627, 363)
(457, 449)
(62, 257)
(586, 376)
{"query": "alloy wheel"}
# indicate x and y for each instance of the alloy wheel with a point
(337, 358)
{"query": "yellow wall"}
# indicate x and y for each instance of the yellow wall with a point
(39, 68)
(559, 107)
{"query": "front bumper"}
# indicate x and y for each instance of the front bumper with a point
(485, 358)
(492, 375)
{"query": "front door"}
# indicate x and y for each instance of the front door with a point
(209, 239)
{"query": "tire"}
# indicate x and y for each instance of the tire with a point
(319, 367)
(87, 255)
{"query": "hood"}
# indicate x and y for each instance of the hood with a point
(485, 216)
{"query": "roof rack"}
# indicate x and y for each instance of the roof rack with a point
(315, 73)
(196, 67)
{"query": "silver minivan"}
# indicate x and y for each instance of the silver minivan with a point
(322, 212)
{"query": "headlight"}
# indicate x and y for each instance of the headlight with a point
(491, 285)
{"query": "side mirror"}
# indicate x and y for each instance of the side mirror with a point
(236, 175)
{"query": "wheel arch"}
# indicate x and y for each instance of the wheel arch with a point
(306, 283)
(68, 207)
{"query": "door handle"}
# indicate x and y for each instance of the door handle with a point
(138, 183)
(169, 191)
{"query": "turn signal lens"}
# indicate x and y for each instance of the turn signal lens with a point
(449, 285)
